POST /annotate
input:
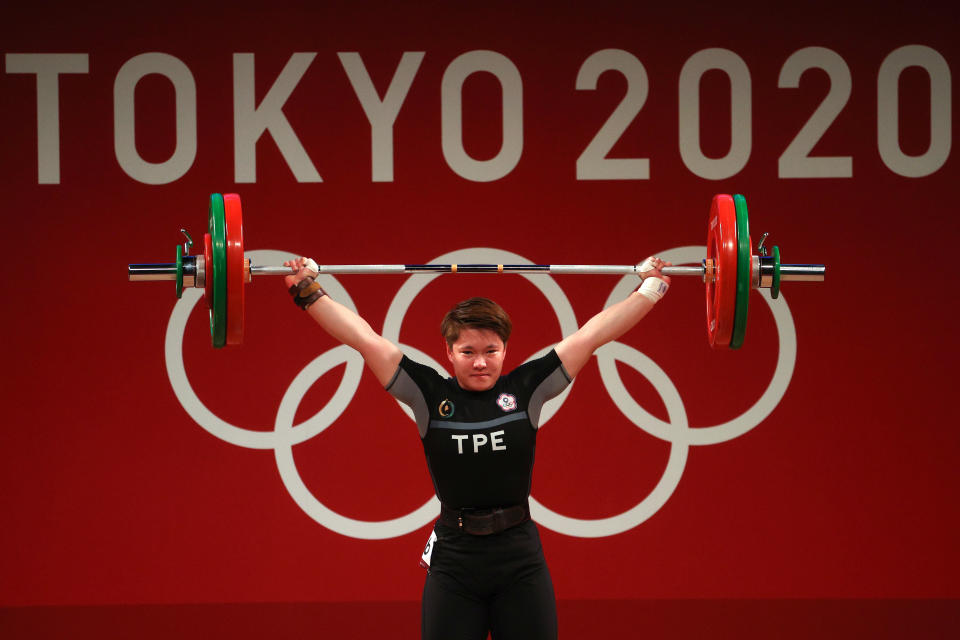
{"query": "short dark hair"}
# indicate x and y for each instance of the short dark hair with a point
(476, 313)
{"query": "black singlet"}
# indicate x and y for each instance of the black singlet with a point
(480, 445)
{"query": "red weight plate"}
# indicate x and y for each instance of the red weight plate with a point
(208, 270)
(722, 249)
(235, 271)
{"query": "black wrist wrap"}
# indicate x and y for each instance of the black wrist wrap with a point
(306, 292)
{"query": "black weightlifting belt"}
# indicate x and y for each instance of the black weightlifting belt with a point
(483, 522)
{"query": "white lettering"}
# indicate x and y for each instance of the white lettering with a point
(251, 121)
(451, 111)
(381, 113)
(479, 439)
(593, 163)
(124, 118)
(48, 67)
(740, 114)
(796, 161)
(888, 111)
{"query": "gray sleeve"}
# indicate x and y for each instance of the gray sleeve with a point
(406, 390)
(551, 386)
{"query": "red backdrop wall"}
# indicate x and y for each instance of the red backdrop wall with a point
(805, 484)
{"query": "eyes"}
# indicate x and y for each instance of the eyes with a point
(469, 353)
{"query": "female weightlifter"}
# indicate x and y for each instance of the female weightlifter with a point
(486, 569)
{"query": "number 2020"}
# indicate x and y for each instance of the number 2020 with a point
(796, 160)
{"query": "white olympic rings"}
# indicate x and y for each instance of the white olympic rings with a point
(285, 434)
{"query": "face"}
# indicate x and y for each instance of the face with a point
(477, 358)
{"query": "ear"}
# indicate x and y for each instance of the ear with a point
(449, 351)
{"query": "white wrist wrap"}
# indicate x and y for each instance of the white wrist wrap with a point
(312, 266)
(653, 289)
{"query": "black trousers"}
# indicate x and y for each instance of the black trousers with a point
(497, 583)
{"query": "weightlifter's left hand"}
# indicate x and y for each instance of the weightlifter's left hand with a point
(305, 268)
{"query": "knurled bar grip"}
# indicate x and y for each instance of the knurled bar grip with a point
(338, 269)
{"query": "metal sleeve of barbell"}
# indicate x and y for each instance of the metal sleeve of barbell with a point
(802, 272)
(148, 272)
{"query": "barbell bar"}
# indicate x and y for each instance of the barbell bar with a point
(729, 271)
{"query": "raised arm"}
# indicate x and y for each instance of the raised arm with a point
(381, 355)
(576, 349)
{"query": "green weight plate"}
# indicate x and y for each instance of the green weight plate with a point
(775, 287)
(744, 267)
(179, 272)
(218, 237)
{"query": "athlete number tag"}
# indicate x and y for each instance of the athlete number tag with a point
(428, 550)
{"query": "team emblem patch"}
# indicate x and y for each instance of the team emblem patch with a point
(507, 402)
(446, 409)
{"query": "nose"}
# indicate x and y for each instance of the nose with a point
(479, 363)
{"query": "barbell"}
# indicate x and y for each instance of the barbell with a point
(729, 271)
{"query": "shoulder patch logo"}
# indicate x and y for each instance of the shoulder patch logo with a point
(445, 409)
(507, 402)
